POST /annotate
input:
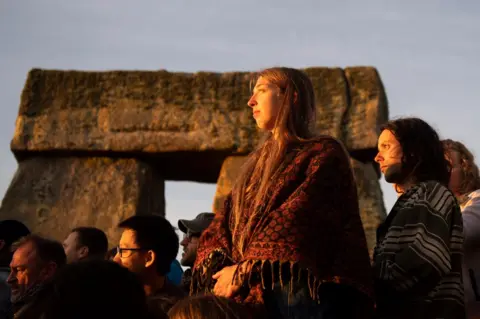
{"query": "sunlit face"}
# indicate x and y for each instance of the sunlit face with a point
(132, 257)
(73, 250)
(26, 270)
(389, 157)
(265, 102)
(456, 174)
(190, 246)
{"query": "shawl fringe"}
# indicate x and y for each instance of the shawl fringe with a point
(260, 272)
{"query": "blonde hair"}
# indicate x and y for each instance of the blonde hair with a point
(295, 122)
(471, 176)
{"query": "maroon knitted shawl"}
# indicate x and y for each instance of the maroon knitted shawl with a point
(312, 227)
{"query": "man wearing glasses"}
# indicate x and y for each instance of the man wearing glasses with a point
(192, 230)
(148, 246)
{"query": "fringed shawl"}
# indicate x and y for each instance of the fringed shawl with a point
(311, 232)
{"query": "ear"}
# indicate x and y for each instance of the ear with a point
(150, 258)
(2, 244)
(83, 252)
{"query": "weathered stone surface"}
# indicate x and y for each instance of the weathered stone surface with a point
(370, 197)
(368, 111)
(372, 209)
(161, 112)
(52, 195)
(228, 174)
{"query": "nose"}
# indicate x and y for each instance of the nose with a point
(11, 278)
(116, 258)
(184, 242)
(252, 102)
(378, 158)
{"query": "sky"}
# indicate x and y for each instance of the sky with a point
(427, 53)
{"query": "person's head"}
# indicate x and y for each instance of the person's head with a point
(464, 174)
(148, 245)
(10, 232)
(97, 289)
(212, 307)
(85, 242)
(192, 230)
(35, 261)
(410, 151)
(283, 101)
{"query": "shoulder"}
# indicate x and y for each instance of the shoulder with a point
(473, 200)
(323, 145)
(434, 195)
(472, 206)
(320, 155)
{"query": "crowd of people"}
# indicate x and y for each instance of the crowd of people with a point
(289, 241)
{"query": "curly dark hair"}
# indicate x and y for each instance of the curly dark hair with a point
(423, 152)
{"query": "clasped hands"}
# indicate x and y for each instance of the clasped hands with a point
(225, 286)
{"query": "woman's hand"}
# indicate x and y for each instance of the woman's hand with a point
(224, 287)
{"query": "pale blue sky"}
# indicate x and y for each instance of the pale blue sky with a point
(427, 53)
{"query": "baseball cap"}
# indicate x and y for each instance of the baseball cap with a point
(196, 225)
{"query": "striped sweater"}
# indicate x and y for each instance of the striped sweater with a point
(418, 258)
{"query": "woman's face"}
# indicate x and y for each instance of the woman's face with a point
(457, 174)
(265, 102)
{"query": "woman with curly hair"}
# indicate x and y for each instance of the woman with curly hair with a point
(465, 184)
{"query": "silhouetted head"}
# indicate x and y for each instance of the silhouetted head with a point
(97, 289)
(10, 232)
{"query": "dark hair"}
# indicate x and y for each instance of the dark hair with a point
(97, 289)
(471, 175)
(47, 250)
(93, 238)
(12, 230)
(423, 153)
(213, 307)
(155, 233)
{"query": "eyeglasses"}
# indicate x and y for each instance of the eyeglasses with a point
(127, 252)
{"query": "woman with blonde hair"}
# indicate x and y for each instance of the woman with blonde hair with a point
(290, 235)
(465, 184)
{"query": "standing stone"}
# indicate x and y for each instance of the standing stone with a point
(370, 197)
(228, 174)
(53, 195)
(368, 109)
